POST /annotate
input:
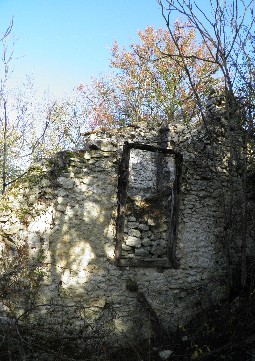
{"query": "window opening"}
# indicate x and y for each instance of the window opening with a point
(147, 204)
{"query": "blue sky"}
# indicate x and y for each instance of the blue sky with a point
(62, 43)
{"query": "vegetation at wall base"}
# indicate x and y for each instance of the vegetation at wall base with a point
(222, 332)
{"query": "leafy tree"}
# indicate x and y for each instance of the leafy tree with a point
(148, 85)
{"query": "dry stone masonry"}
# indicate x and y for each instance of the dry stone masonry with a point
(136, 218)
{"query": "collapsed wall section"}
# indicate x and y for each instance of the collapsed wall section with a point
(138, 212)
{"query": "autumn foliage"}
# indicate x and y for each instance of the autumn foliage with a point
(150, 82)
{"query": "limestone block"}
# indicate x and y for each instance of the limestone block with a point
(66, 182)
(33, 239)
(45, 182)
(12, 229)
(132, 224)
(146, 242)
(61, 192)
(143, 227)
(141, 252)
(98, 302)
(70, 211)
(84, 187)
(165, 354)
(61, 208)
(133, 241)
(151, 222)
(163, 227)
(134, 233)
(132, 219)
(108, 147)
(159, 247)
(40, 224)
(147, 234)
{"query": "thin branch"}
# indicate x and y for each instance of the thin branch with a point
(8, 31)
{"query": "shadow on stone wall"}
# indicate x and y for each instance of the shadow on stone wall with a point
(69, 210)
(75, 229)
(80, 237)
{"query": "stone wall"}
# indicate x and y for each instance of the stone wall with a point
(138, 214)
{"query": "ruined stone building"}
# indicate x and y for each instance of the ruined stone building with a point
(131, 228)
